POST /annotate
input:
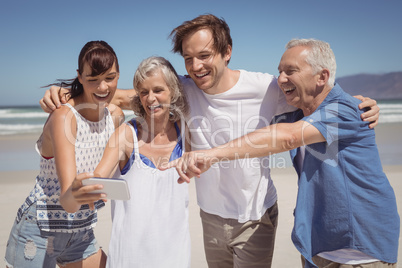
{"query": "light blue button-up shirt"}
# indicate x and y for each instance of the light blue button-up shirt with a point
(344, 198)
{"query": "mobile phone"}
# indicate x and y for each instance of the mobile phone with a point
(116, 189)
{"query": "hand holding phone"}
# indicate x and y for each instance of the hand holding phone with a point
(116, 189)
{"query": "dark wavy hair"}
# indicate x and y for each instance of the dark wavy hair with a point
(100, 57)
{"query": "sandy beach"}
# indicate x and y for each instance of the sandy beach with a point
(16, 184)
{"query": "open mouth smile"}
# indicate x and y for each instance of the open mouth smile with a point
(153, 107)
(288, 91)
(202, 75)
(102, 96)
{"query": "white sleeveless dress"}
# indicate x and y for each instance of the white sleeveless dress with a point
(151, 229)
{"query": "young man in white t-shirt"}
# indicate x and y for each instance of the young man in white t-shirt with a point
(341, 184)
(237, 199)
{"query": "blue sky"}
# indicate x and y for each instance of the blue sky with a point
(41, 40)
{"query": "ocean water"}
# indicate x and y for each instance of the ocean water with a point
(19, 120)
(30, 120)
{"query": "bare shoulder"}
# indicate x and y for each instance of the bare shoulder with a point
(60, 125)
(55, 125)
(60, 114)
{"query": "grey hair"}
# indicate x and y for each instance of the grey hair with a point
(178, 106)
(319, 56)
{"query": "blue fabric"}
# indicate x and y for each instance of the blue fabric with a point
(176, 153)
(66, 247)
(344, 198)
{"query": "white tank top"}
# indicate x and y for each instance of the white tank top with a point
(90, 142)
(151, 229)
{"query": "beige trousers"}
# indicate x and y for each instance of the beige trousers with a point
(229, 243)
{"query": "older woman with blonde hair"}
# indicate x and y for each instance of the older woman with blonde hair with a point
(151, 229)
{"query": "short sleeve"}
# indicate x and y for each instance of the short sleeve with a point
(337, 121)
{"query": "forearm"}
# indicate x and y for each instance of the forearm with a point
(115, 151)
(262, 142)
(259, 143)
(68, 201)
(109, 163)
(272, 139)
(123, 98)
(60, 123)
(105, 171)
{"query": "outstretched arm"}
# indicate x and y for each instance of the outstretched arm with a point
(117, 151)
(123, 97)
(55, 96)
(58, 141)
(265, 141)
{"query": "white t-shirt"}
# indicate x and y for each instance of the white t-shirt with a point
(239, 189)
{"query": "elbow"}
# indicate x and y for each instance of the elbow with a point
(289, 143)
(291, 136)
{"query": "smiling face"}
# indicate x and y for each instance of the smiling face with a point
(98, 89)
(155, 95)
(203, 64)
(297, 79)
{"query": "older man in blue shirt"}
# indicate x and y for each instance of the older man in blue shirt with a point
(346, 212)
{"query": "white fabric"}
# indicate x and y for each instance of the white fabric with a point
(240, 189)
(347, 256)
(151, 229)
(90, 142)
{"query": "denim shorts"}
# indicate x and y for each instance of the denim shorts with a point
(28, 246)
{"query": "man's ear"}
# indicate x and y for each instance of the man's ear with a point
(228, 54)
(323, 77)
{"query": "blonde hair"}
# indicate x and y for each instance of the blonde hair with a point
(178, 106)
